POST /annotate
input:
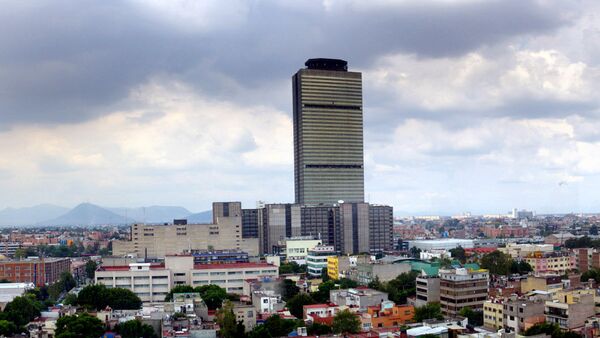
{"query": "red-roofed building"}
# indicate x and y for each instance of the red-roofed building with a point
(320, 310)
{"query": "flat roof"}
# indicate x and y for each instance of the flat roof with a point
(232, 266)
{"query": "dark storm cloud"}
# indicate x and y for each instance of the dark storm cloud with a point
(71, 61)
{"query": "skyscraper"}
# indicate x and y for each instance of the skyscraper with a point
(328, 133)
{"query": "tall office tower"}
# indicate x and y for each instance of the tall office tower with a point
(276, 223)
(250, 223)
(381, 228)
(328, 133)
(226, 209)
(354, 227)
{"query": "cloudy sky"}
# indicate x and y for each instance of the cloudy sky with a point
(470, 105)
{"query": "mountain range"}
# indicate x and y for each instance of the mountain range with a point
(91, 214)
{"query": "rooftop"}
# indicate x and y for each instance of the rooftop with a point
(232, 266)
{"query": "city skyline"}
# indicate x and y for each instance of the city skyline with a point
(176, 103)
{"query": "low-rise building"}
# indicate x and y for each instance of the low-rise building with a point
(296, 248)
(387, 314)
(9, 291)
(461, 287)
(557, 262)
(516, 250)
(231, 276)
(150, 282)
(549, 283)
(493, 311)
(328, 310)
(570, 309)
(316, 259)
(428, 290)
(366, 272)
(360, 298)
(246, 314)
(521, 314)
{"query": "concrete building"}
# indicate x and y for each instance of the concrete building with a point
(461, 288)
(360, 298)
(428, 290)
(556, 262)
(493, 314)
(158, 241)
(516, 250)
(226, 209)
(316, 259)
(150, 282)
(328, 133)
(570, 310)
(246, 314)
(40, 271)
(388, 314)
(276, 223)
(231, 276)
(548, 283)
(340, 266)
(381, 228)
(441, 244)
(520, 314)
(366, 272)
(250, 222)
(296, 248)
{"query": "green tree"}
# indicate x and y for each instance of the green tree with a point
(99, 296)
(123, 299)
(459, 253)
(318, 329)
(475, 317)
(376, 284)
(179, 289)
(296, 304)
(22, 309)
(291, 267)
(346, 283)
(498, 263)
(90, 269)
(591, 274)
(279, 327)
(415, 252)
(135, 329)
(213, 295)
(83, 325)
(521, 267)
(70, 299)
(322, 295)
(7, 328)
(402, 287)
(324, 275)
(428, 311)
(594, 230)
(229, 327)
(289, 289)
(93, 297)
(260, 331)
(346, 322)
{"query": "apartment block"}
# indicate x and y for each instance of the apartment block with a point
(35, 270)
(296, 248)
(460, 288)
(558, 262)
(428, 290)
(316, 260)
(493, 311)
(521, 314)
(150, 282)
(570, 309)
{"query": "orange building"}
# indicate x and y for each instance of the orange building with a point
(389, 314)
(39, 272)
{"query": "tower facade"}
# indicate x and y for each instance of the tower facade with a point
(328, 133)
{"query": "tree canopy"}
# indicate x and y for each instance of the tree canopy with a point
(22, 309)
(498, 263)
(346, 322)
(83, 325)
(99, 296)
(135, 329)
(213, 295)
(428, 311)
(296, 304)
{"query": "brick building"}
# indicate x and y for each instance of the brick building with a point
(37, 271)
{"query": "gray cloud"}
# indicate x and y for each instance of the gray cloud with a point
(69, 62)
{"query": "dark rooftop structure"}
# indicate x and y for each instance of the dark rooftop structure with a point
(327, 64)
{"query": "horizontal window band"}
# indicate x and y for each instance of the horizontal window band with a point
(334, 166)
(332, 106)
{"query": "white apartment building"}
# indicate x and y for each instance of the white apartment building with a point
(316, 259)
(150, 282)
(296, 248)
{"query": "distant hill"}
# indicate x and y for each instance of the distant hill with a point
(87, 214)
(152, 214)
(200, 218)
(30, 215)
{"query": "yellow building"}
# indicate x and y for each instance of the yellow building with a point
(333, 267)
(492, 314)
